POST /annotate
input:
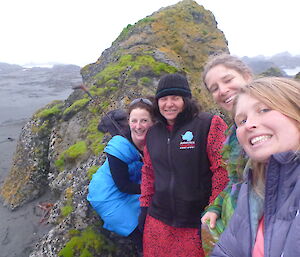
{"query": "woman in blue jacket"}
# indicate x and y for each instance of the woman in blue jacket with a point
(114, 190)
(266, 221)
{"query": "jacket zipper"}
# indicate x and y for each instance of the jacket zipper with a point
(249, 219)
(172, 181)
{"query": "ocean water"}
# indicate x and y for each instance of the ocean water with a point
(21, 94)
(292, 72)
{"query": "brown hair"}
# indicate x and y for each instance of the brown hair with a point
(142, 103)
(228, 61)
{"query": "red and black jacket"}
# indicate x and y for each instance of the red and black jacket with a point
(182, 172)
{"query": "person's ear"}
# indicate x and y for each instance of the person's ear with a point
(248, 78)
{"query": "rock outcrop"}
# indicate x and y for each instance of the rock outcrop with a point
(61, 146)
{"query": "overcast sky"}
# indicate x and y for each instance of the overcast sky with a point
(77, 31)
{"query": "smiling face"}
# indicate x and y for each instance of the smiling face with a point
(170, 106)
(139, 122)
(224, 83)
(263, 131)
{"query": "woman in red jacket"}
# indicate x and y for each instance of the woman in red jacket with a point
(182, 171)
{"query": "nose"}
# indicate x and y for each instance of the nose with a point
(251, 126)
(223, 90)
(138, 125)
(169, 102)
(251, 123)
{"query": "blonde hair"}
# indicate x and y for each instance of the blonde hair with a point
(280, 94)
(230, 62)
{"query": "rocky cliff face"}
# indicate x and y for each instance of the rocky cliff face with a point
(61, 147)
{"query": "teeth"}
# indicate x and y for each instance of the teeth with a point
(229, 99)
(259, 139)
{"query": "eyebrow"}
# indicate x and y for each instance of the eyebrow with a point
(227, 75)
(238, 116)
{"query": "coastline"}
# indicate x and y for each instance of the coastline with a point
(20, 97)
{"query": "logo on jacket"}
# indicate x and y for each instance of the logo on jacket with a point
(187, 142)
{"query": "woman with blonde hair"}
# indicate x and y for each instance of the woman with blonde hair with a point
(266, 221)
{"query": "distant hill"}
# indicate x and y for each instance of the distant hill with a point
(282, 61)
(62, 75)
(285, 60)
(5, 67)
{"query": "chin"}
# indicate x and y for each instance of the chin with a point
(140, 137)
(228, 107)
(259, 158)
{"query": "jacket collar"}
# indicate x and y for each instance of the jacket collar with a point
(287, 157)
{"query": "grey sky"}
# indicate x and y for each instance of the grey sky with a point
(77, 31)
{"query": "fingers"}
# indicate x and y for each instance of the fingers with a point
(205, 218)
(212, 217)
(212, 221)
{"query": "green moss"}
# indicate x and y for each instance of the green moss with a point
(92, 170)
(76, 106)
(95, 137)
(146, 20)
(145, 80)
(104, 105)
(72, 153)
(76, 150)
(49, 112)
(113, 71)
(125, 59)
(163, 67)
(95, 91)
(60, 163)
(66, 210)
(149, 61)
(111, 82)
(43, 129)
(124, 32)
(129, 27)
(85, 243)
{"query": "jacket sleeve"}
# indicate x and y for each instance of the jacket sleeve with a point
(215, 141)
(147, 186)
(235, 240)
(120, 175)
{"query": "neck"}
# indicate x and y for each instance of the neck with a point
(139, 144)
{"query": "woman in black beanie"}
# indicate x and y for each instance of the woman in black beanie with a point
(182, 171)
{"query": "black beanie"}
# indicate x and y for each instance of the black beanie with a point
(173, 84)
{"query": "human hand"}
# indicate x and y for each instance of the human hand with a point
(212, 217)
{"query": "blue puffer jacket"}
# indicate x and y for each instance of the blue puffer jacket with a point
(118, 210)
(281, 214)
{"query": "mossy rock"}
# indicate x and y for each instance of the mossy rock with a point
(91, 171)
(71, 154)
(86, 243)
(132, 65)
(74, 108)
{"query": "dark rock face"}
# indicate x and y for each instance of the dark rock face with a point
(178, 38)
